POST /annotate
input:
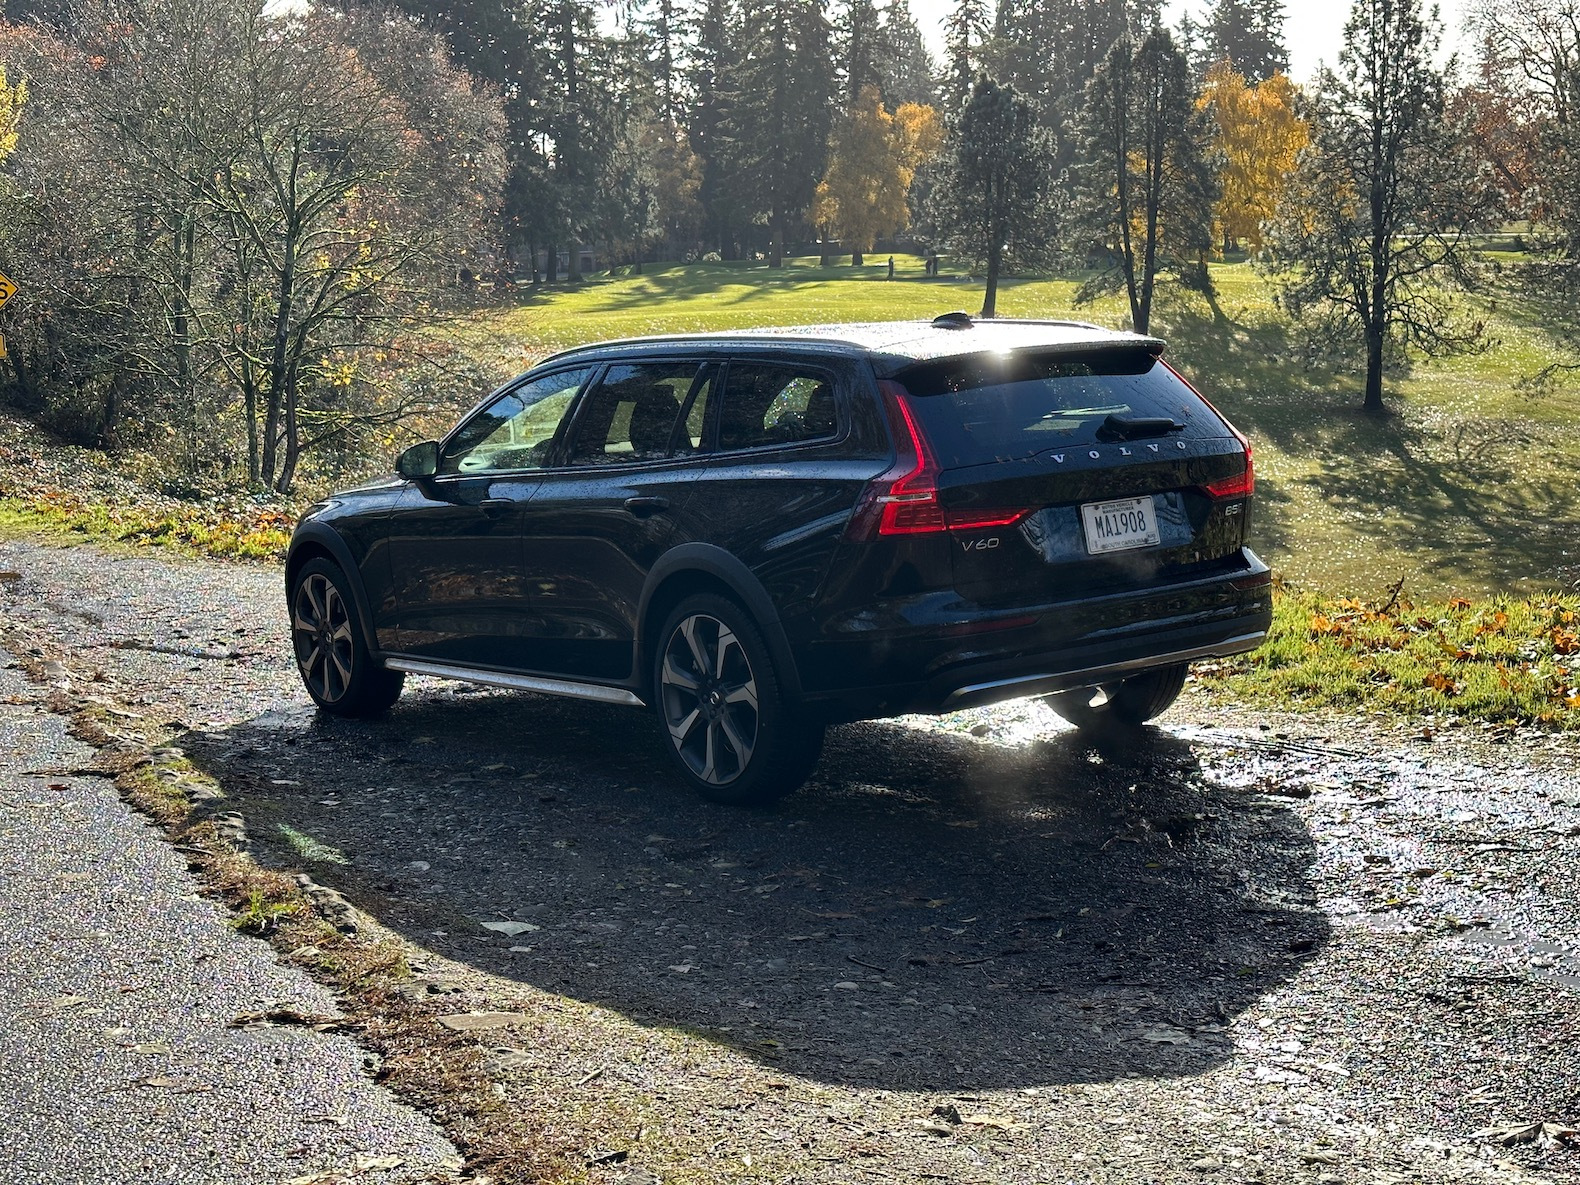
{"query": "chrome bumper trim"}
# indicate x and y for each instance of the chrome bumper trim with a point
(1002, 689)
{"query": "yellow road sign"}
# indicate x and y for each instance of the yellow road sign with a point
(7, 289)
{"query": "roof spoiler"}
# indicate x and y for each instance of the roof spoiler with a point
(963, 320)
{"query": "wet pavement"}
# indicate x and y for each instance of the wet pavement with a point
(118, 985)
(978, 948)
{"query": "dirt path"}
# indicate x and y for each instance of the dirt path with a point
(976, 949)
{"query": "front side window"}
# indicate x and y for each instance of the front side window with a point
(637, 413)
(517, 430)
(769, 403)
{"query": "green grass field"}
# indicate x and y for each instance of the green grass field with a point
(1470, 487)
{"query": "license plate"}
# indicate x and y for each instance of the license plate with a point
(1119, 525)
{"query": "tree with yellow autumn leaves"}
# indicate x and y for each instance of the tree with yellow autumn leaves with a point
(12, 97)
(1258, 136)
(873, 158)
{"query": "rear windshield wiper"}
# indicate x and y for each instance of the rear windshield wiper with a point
(1086, 413)
(1117, 427)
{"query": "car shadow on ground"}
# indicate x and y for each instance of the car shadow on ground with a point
(934, 911)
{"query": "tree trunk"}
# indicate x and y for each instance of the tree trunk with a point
(250, 398)
(990, 295)
(776, 240)
(551, 263)
(822, 246)
(279, 359)
(1374, 369)
(857, 259)
(293, 439)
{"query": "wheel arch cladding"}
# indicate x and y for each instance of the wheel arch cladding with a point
(318, 542)
(701, 568)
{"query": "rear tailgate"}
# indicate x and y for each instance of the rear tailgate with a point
(1107, 462)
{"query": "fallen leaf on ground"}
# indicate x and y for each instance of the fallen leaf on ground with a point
(511, 929)
(1548, 1135)
(993, 1121)
(175, 1085)
(468, 1022)
(369, 1164)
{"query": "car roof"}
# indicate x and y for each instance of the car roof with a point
(890, 345)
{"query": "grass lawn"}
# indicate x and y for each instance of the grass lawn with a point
(1469, 488)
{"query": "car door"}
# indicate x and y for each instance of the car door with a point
(459, 592)
(779, 489)
(597, 524)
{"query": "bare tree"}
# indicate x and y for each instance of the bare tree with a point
(277, 198)
(1371, 239)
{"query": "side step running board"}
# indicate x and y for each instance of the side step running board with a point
(568, 688)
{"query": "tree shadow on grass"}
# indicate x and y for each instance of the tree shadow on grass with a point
(933, 912)
(1461, 499)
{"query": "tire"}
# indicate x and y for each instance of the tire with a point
(1129, 705)
(733, 735)
(331, 656)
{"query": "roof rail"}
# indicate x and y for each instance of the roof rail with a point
(955, 320)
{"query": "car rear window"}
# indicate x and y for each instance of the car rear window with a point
(998, 407)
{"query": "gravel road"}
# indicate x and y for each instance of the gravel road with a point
(975, 949)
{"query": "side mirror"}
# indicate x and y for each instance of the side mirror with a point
(420, 460)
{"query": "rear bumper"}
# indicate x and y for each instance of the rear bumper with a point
(1020, 684)
(939, 655)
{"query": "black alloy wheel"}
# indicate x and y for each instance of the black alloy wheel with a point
(1129, 704)
(331, 656)
(731, 731)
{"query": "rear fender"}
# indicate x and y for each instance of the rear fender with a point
(724, 568)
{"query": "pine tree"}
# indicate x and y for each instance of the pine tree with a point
(1374, 234)
(964, 30)
(778, 114)
(662, 27)
(1147, 189)
(859, 39)
(1249, 35)
(908, 72)
(992, 196)
(710, 88)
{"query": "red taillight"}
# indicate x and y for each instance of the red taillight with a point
(903, 499)
(1241, 485)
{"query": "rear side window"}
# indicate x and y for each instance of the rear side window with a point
(999, 407)
(769, 403)
(635, 414)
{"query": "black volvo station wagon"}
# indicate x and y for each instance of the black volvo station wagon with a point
(758, 534)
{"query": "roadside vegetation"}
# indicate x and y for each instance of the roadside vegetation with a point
(226, 347)
(1500, 660)
(1464, 491)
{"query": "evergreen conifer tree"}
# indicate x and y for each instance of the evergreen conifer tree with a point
(1373, 236)
(991, 199)
(1249, 35)
(1146, 187)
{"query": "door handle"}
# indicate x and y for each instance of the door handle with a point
(643, 507)
(494, 507)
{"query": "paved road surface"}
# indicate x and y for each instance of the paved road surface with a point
(116, 985)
